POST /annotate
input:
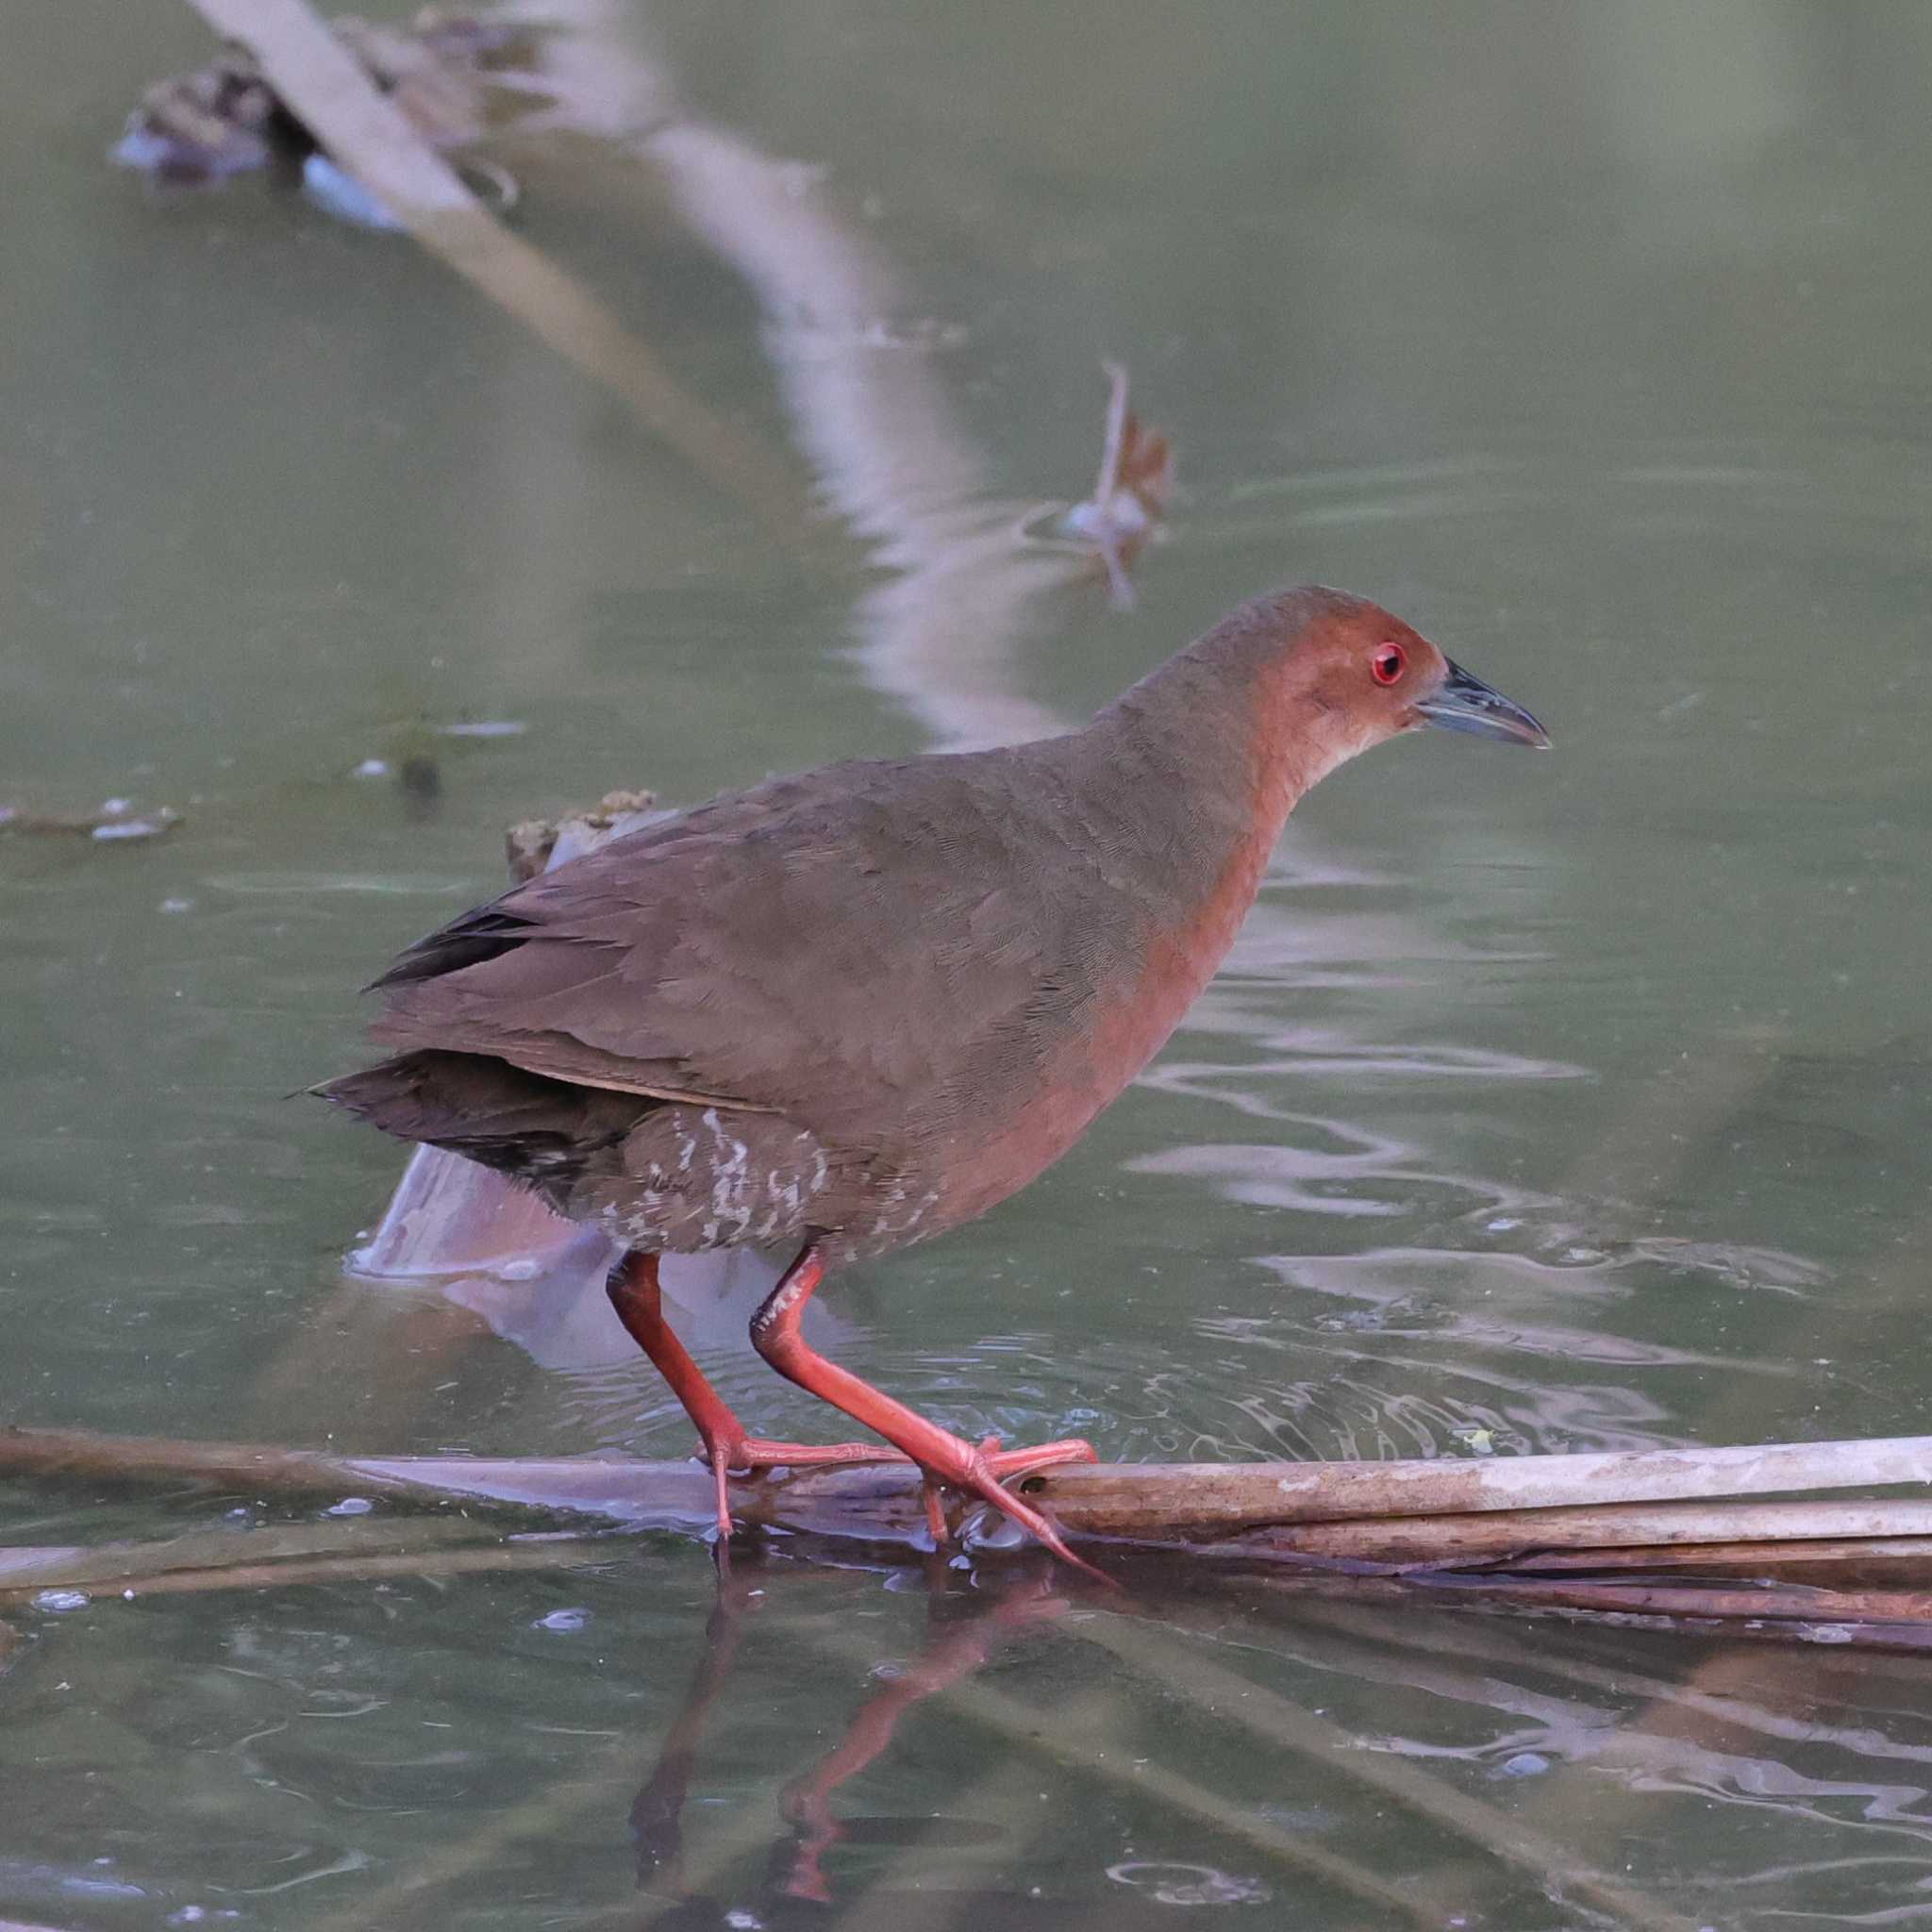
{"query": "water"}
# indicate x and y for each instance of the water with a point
(1560, 1102)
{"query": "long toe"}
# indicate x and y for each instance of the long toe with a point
(1007, 1463)
(1003, 1465)
(755, 1455)
(977, 1478)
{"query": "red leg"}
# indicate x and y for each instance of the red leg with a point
(634, 1294)
(807, 1802)
(943, 1456)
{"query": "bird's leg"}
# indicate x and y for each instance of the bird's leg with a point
(943, 1456)
(806, 1801)
(635, 1294)
(658, 1810)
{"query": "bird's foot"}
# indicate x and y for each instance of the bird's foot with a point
(751, 1455)
(1003, 1465)
(984, 1470)
(980, 1471)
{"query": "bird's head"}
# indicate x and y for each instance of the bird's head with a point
(1351, 675)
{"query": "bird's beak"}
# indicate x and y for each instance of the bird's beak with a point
(1463, 703)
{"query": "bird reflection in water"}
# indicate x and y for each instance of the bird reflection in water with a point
(964, 1632)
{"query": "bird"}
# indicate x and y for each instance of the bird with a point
(850, 1009)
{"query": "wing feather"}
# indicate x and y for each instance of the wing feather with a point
(801, 948)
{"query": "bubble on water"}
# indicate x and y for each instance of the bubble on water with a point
(62, 1600)
(1828, 1633)
(351, 1505)
(990, 1530)
(1524, 1764)
(565, 1621)
(1175, 1884)
(341, 194)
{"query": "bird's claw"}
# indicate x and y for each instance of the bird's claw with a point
(982, 1472)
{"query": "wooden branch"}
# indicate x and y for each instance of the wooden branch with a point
(1225, 1498)
(1547, 1526)
(1590, 1529)
(1482, 1506)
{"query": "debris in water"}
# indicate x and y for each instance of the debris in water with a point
(199, 128)
(343, 196)
(1129, 495)
(115, 820)
(339, 193)
(531, 846)
(448, 72)
(419, 778)
(1177, 1884)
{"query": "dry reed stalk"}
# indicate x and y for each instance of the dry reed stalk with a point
(368, 135)
(1501, 1527)
(1624, 1532)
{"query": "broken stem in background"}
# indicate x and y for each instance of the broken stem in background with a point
(367, 134)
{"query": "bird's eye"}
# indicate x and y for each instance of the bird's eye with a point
(1388, 662)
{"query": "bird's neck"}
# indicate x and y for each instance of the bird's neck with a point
(1209, 755)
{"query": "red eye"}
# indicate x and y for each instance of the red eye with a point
(1388, 664)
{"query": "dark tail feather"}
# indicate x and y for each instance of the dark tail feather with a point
(542, 1131)
(482, 934)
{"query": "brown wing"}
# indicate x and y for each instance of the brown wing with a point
(837, 947)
